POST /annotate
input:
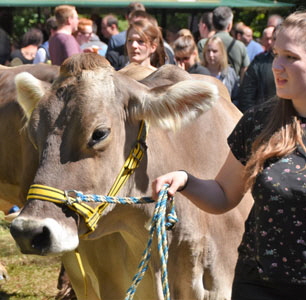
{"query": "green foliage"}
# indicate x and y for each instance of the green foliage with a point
(178, 19)
(24, 20)
(122, 24)
(256, 20)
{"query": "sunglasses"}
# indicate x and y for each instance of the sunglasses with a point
(85, 33)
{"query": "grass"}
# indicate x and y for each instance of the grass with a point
(31, 277)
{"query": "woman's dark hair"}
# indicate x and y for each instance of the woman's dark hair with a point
(32, 37)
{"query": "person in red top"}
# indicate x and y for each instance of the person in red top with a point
(63, 44)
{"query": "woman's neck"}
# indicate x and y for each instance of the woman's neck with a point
(299, 106)
(147, 63)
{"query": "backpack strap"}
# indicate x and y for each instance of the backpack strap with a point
(229, 48)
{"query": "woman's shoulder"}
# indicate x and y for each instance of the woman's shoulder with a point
(247, 129)
(257, 116)
(230, 72)
(198, 69)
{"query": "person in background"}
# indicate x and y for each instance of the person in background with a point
(109, 26)
(144, 44)
(95, 41)
(140, 15)
(236, 50)
(186, 55)
(119, 59)
(274, 20)
(245, 35)
(30, 42)
(258, 83)
(84, 36)
(268, 156)
(267, 37)
(215, 60)
(116, 45)
(5, 47)
(171, 33)
(63, 44)
(206, 29)
(83, 32)
(184, 32)
(43, 54)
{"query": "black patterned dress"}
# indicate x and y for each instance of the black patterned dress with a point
(273, 247)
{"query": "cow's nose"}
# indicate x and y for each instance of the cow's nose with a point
(41, 241)
(31, 238)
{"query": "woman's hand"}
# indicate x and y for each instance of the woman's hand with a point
(181, 65)
(176, 180)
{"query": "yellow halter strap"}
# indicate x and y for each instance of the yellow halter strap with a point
(92, 215)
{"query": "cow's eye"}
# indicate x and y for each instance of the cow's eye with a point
(98, 135)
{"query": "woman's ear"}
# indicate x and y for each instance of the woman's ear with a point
(153, 47)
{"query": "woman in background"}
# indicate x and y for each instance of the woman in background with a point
(30, 42)
(215, 60)
(186, 55)
(144, 44)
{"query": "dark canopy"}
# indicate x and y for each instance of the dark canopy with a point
(149, 3)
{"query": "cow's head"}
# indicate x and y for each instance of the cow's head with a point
(83, 129)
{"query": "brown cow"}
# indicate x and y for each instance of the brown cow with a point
(18, 157)
(13, 170)
(84, 128)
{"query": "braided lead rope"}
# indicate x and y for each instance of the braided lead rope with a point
(160, 222)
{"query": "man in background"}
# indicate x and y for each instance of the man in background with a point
(258, 83)
(245, 35)
(206, 29)
(267, 37)
(109, 26)
(274, 20)
(63, 44)
(236, 50)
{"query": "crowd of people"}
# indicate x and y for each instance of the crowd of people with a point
(224, 50)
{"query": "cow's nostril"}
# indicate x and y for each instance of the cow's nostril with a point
(42, 240)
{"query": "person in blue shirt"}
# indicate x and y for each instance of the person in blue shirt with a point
(245, 35)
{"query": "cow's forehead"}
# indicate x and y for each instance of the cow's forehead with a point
(86, 97)
(88, 87)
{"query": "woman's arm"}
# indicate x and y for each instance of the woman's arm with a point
(214, 196)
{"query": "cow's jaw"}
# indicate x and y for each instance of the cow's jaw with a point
(42, 237)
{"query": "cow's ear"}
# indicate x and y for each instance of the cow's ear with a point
(29, 91)
(174, 106)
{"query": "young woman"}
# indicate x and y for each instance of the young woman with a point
(144, 44)
(268, 155)
(215, 60)
(186, 55)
